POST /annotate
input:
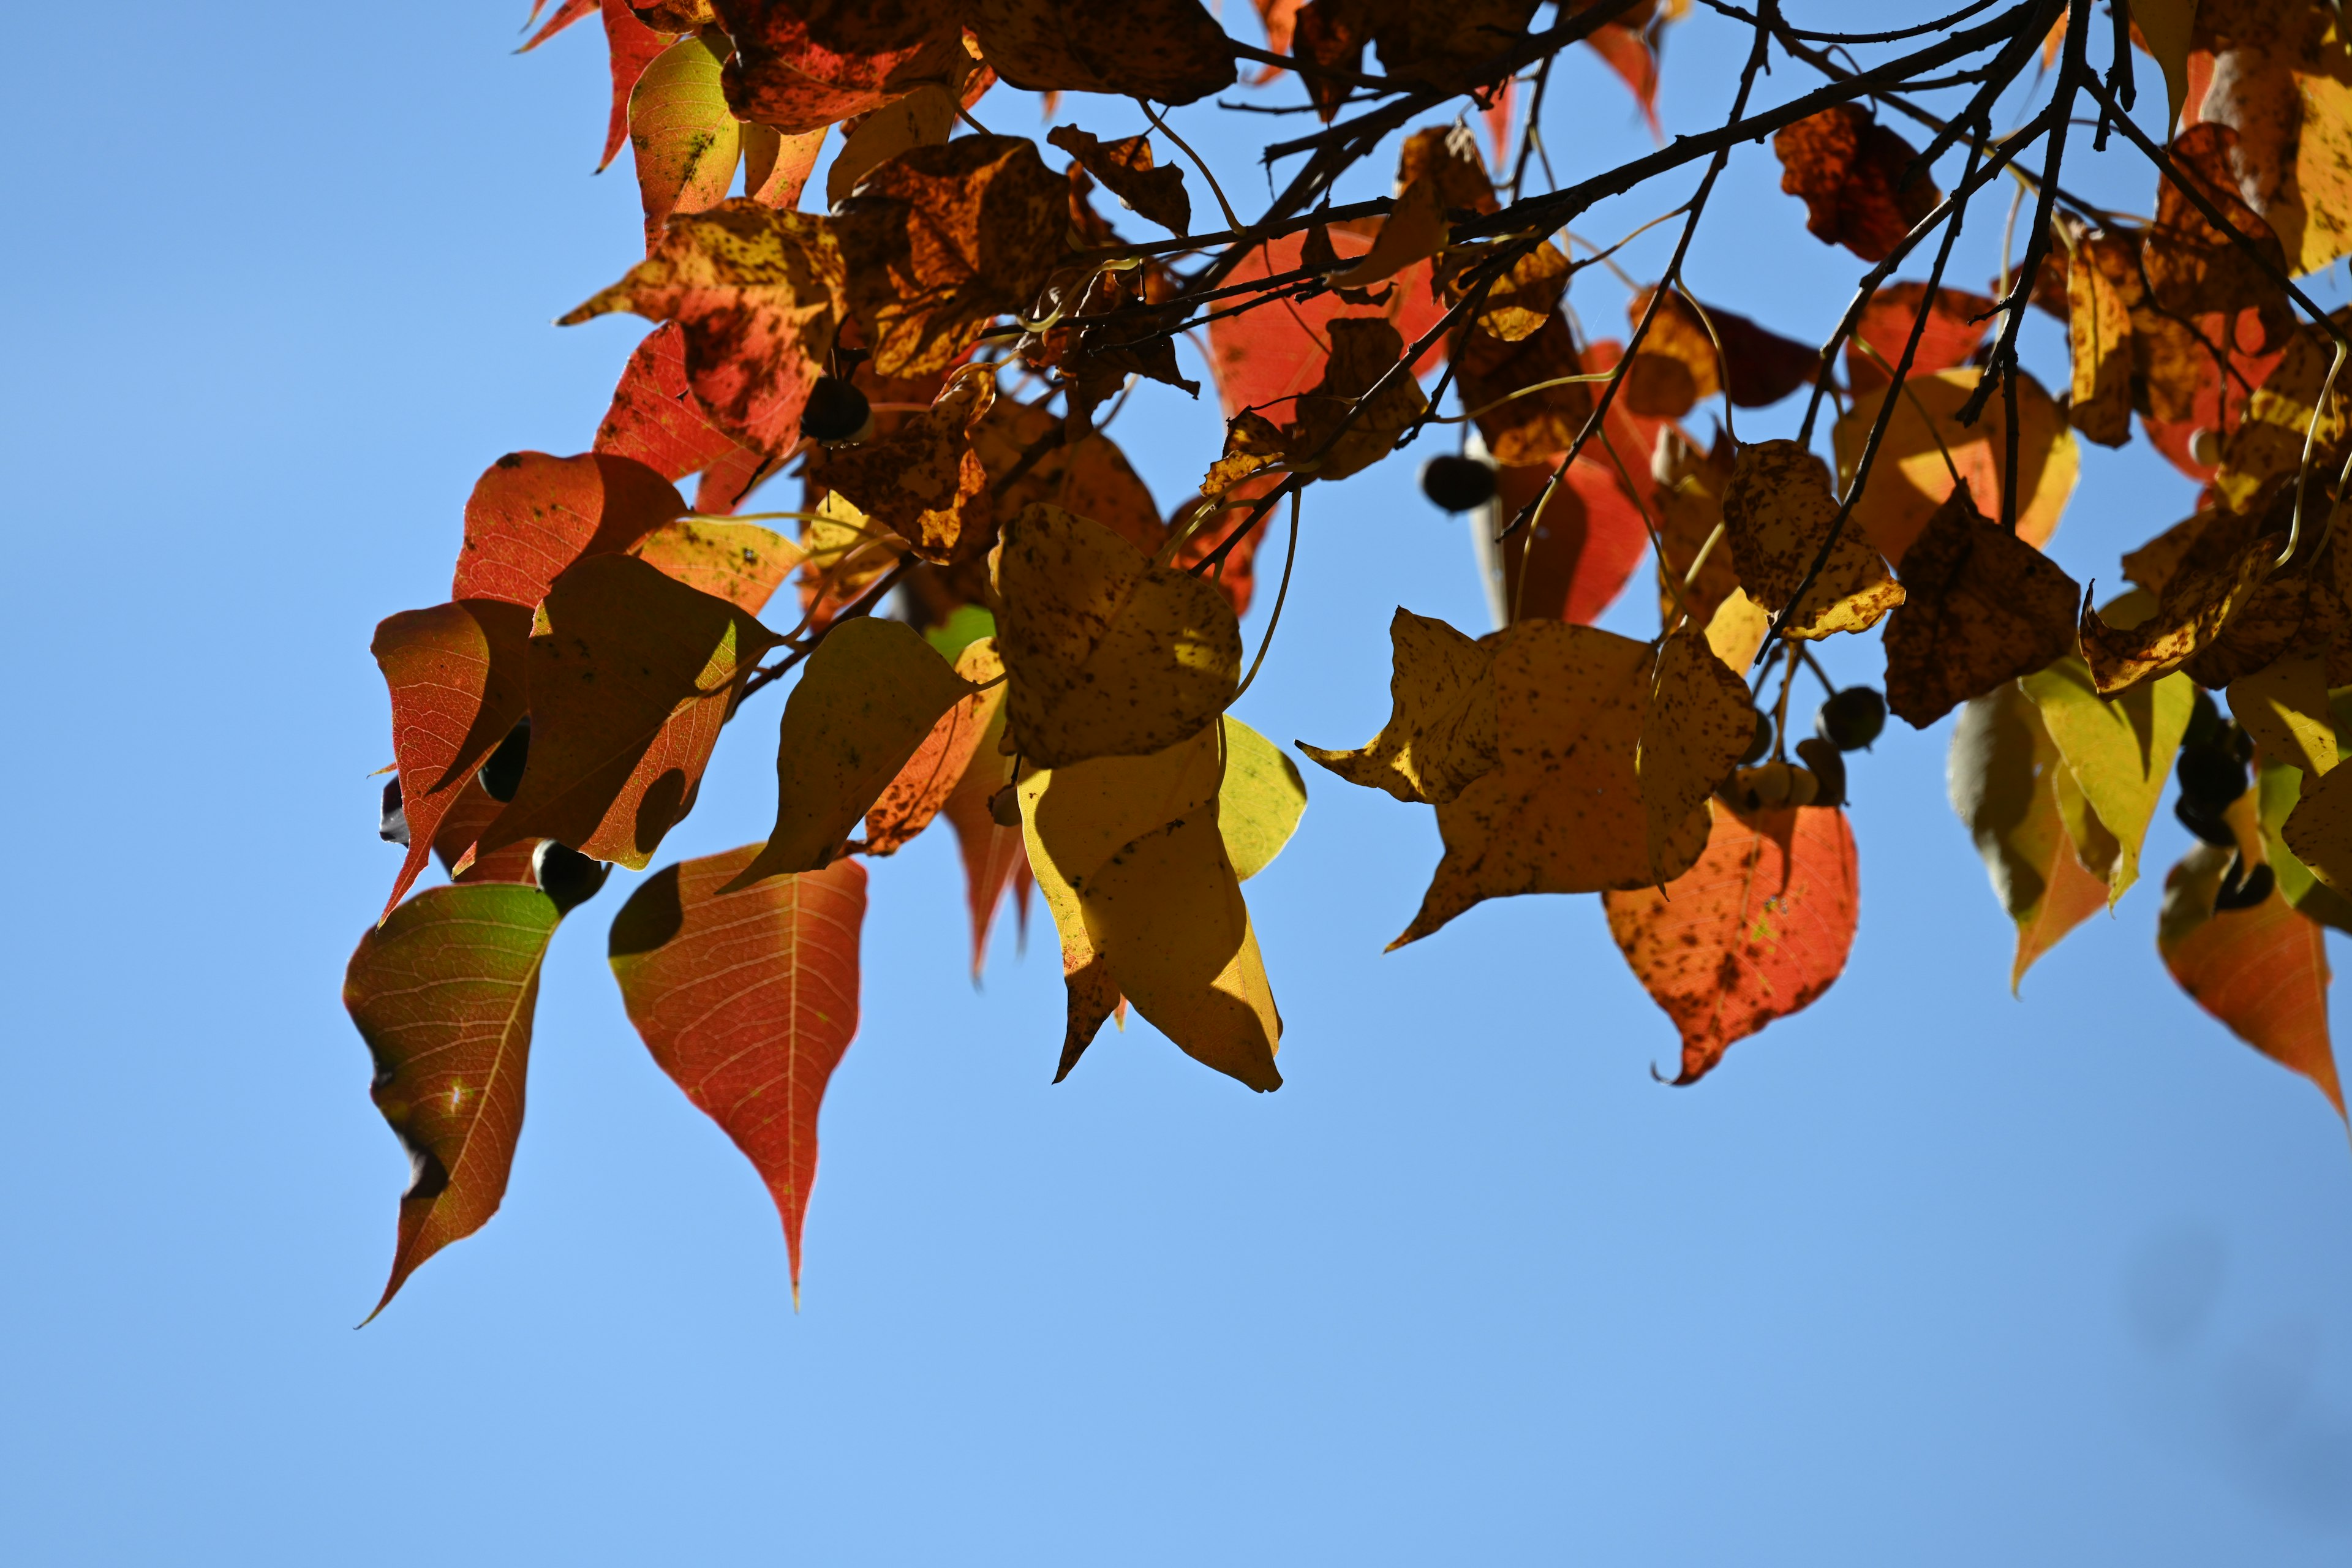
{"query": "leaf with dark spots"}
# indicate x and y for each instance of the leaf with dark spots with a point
(944, 758)
(631, 676)
(741, 562)
(459, 678)
(924, 482)
(2192, 267)
(1526, 405)
(1167, 50)
(443, 992)
(655, 418)
(1981, 607)
(757, 294)
(686, 142)
(1849, 169)
(803, 65)
(1126, 169)
(748, 1000)
(531, 515)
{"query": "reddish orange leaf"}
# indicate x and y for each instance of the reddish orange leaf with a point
(748, 1001)
(531, 515)
(1265, 356)
(570, 11)
(470, 811)
(1848, 168)
(803, 65)
(655, 419)
(1629, 54)
(443, 992)
(459, 678)
(2262, 971)
(1756, 930)
(1583, 547)
(1957, 323)
(632, 46)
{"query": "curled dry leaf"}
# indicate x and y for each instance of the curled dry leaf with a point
(940, 240)
(757, 294)
(1777, 511)
(2101, 286)
(1981, 607)
(2282, 78)
(1850, 170)
(1757, 929)
(1518, 302)
(1441, 731)
(924, 482)
(1251, 442)
(2262, 971)
(1911, 478)
(803, 65)
(748, 1000)
(443, 992)
(459, 680)
(2119, 753)
(631, 676)
(2005, 773)
(685, 138)
(1957, 323)
(531, 515)
(874, 690)
(1126, 169)
(1110, 654)
(1607, 749)
(2219, 572)
(944, 758)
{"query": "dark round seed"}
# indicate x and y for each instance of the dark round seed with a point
(1457, 483)
(1851, 719)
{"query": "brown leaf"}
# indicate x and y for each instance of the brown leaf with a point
(1522, 427)
(757, 292)
(1251, 442)
(2216, 576)
(1126, 169)
(2101, 286)
(1980, 607)
(1675, 365)
(1689, 492)
(2282, 78)
(1521, 300)
(939, 241)
(1847, 168)
(2193, 267)
(924, 482)
(1170, 51)
(1433, 44)
(1447, 157)
(531, 515)
(1441, 731)
(1777, 511)
(802, 65)
(1414, 230)
(1362, 352)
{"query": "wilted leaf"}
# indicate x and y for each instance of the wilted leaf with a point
(1848, 168)
(1756, 929)
(443, 992)
(631, 675)
(1441, 731)
(686, 138)
(1676, 365)
(1251, 442)
(872, 691)
(1777, 511)
(741, 562)
(1446, 157)
(945, 757)
(2119, 751)
(939, 241)
(924, 482)
(1167, 50)
(1981, 607)
(1910, 478)
(459, 680)
(1110, 654)
(1126, 169)
(802, 65)
(757, 294)
(1362, 352)
(2004, 783)
(2262, 971)
(2281, 77)
(1260, 802)
(748, 1000)
(1568, 809)
(1957, 323)
(531, 515)
(2221, 570)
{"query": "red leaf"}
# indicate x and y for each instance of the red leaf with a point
(1275, 353)
(800, 67)
(748, 1000)
(1584, 547)
(470, 811)
(2262, 970)
(570, 11)
(1629, 54)
(1848, 170)
(1756, 930)
(459, 678)
(654, 416)
(632, 46)
(1956, 325)
(443, 992)
(2218, 404)
(531, 515)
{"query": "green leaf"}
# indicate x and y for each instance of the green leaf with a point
(2119, 751)
(443, 994)
(965, 626)
(1260, 801)
(2005, 771)
(2279, 787)
(684, 136)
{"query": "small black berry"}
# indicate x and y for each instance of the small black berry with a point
(1457, 484)
(835, 411)
(1851, 719)
(2205, 721)
(2206, 825)
(1005, 807)
(502, 774)
(392, 828)
(2243, 886)
(2211, 776)
(568, 877)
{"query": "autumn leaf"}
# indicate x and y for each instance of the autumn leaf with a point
(2222, 569)
(992, 853)
(872, 692)
(1521, 299)
(631, 676)
(2268, 445)
(1441, 731)
(568, 12)
(924, 482)
(776, 167)
(2119, 751)
(443, 992)
(924, 118)
(1259, 801)
(1263, 356)
(1126, 169)
(2319, 829)
(945, 756)
(631, 46)
(2279, 787)
(1110, 654)
(2005, 771)
(1848, 170)
(1677, 365)
(2163, 27)
(654, 419)
(1957, 323)
(1911, 479)
(1320, 436)
(756, 294)
(1777, 513)
(1980, 607)
(1416, 231)
(2284, 706)
(1608, 749)
(471, 809)
(748, 1000)
(845, 553)
(2193, 267)
(1091, 477)
(802, 65)
(2262, 971)
(1167, 50)
(1757, 929)
(1689, 486)
(459, 678)
(685, 140)
(1418, 42)
(2282, 78)
(939, 241)
(1521, 425)
(531, 515)
(2101, 286)
(741, 562)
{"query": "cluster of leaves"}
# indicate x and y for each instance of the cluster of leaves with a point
(1057, 682)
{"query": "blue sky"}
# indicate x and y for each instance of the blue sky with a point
(1925, 1275)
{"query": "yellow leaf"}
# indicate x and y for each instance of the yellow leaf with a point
(1441, 730)
(1700, 721)
(1110, 654)
(2099, 334)
(2283, 80)
(683, 135)
(872, 692)
(1777, 513)
(2005, 771)
(1260, 802)
(1910, 480)
(1093, 993)
(2284, 706)
(741, 562)
(2319, 829)
(2118, 751)
(2166, 24)
(1737, 629)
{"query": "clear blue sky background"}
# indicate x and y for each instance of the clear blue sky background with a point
(1926, 1275)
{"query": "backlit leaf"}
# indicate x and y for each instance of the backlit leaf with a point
(1910, 478)
(2101, 288)
(685, 140)
(923, 481)
(748, 1000)
(1166, 50)
(2165, 27)
(943, 759)
(1756, 929)
(741, 562)
(2220, 571)
(2004, 783)
(1980, 607)
(1337, 429)
(1264, 356)
(803, 65)
(443, 992)
(2284, 706)
(531, 515)
(2280, 790)
(1441, 730)
(1260, 801)
(922, 118)
(1957, 323)
(2119, 751)
(1777, 513)
(1126, 169)
(1848, 169)
(2281, 77)
(631, 46)
(776, 167)
(991, 853)
(655, 419)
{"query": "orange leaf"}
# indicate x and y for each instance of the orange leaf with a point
(655, 419)
(748, 1001)
(531, 515)
(1756, 930)
(1264, 356)
(1847, 168)
(804, 66)
(1957, 323)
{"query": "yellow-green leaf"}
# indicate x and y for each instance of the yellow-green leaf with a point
(2284, 706)
(2005, 771)
(2118, 751)
(1260, 802)
(684, 137)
